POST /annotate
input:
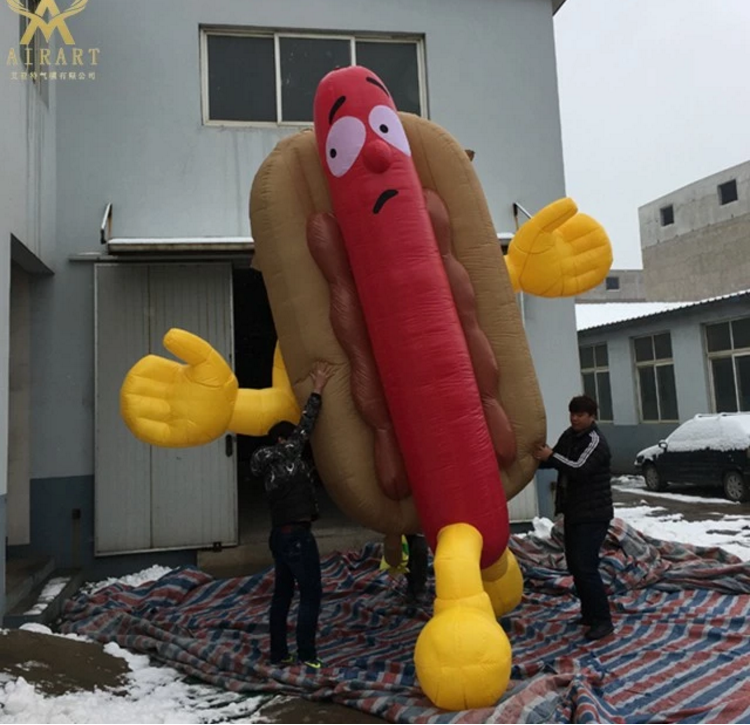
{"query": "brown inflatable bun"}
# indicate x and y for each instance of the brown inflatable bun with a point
(290, 187)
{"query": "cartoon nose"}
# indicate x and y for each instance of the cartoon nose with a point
(377, 156)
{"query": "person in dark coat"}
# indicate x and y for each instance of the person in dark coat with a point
(584, 498)
(416, 577)
(289, 481)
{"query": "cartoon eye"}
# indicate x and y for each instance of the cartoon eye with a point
(386, 123)
(345, 140)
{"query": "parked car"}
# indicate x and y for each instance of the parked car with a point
(707, 449)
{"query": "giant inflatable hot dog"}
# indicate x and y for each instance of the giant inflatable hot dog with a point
(379, 255)
(413, 325)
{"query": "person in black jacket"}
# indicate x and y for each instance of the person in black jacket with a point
(584, 497)
(289, 482)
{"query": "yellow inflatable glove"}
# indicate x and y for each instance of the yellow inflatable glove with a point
(174, 405)
(559, 252)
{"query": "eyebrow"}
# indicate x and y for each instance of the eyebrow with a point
(377, 83)
(335, 107)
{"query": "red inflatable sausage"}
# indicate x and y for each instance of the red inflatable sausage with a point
(417, 339)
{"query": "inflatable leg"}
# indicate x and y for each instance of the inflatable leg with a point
(503, 583)
(463, 656)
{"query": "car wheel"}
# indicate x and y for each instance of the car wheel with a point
(654, 481)
(735, 487)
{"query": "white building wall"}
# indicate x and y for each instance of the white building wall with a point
(134, 137)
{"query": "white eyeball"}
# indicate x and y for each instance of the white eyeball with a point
(345, 140)
(386, 123)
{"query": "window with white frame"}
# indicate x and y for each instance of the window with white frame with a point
(268, 77)
(595, 377)
(728, 348)
(655, 374)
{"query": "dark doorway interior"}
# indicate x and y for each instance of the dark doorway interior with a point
(254, 343)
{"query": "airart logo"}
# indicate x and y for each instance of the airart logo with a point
(38, 63)
(57, 20)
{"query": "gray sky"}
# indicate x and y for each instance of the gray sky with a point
(654, 94)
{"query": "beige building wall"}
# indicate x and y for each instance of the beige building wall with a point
(695, 241)
(621, 285)
(707, 262)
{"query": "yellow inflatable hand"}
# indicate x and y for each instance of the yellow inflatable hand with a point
(175, 405)
(559, 252)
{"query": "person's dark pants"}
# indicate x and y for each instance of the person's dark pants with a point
(583, 542)
(416, 577)
(296, 558)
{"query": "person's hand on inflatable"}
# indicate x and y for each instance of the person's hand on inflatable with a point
(559, 252)
(176, 405)
(320, 375)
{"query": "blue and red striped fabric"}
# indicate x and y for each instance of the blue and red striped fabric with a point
(680, 652)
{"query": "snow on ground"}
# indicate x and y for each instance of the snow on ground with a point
(53, 587)
(160, 695)
(731, 532)
(132, 580)
(154, 695)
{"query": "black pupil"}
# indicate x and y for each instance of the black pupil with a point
(333, 153)
(383, 128)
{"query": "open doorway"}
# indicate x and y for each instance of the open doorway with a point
(254, 343)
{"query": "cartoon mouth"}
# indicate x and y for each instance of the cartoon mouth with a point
(387, 194)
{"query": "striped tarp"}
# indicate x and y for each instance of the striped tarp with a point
(680, 652)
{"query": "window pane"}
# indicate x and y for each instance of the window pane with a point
(396, 64)
(717, 337)
(742, 362)
(741, 333)
(241, 79)
(728, 192)
(587, 356)
(589, 385)
(612, 283)
(605, 396)
(647, 385)
(725, 397)
(644, 348)
(600, 356)
(304, 61)
(667, 215)
(667, 392)
(663, 346)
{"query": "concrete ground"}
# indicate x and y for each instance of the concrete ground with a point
(694, 510)
(56, 665)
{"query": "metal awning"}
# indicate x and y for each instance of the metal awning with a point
(198, 246)
(181, 244)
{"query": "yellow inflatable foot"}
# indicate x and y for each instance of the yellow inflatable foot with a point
(463, 657)
(503, 583)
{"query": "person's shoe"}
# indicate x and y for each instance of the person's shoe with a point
(583, 622)
(288, 660)
(600, 630)
(314, 664)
